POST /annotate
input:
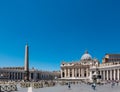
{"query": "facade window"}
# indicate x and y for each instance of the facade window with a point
(93, 72)
(63, 74)
(77, 75)
(70, 74)
(85, 74)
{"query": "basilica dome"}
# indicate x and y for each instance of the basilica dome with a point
(86, 56)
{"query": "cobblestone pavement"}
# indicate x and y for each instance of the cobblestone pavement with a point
(74, 88)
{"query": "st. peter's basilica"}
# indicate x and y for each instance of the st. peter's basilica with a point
(87, 68)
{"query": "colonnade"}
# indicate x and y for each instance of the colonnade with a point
(12, 75)
(74, 72)
(110, 74)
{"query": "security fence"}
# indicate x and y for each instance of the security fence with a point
(8, 88)
(37, 84)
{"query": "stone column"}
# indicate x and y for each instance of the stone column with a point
(79, 72)
(118, 74)
(82, 73)
(35, 76)
(110, 74)
(107, 75)
(114, 75)
(73, 72)
(87, 72)
(65, 72)
(17, 76)
(9, 75)
(20, 76)
(90, 77)
(103, 74)
(29, 76)
(14, 76)
(61, 73)
(68, 72)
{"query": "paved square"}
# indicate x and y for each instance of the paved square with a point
(74, 88)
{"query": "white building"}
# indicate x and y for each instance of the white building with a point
(87, 67)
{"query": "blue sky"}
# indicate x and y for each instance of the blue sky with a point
(57, 30)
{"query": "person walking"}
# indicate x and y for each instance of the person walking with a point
(94, 86)
(69, 86)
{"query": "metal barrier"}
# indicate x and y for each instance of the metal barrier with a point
(8, 88)
(28, 84)
(36, 84)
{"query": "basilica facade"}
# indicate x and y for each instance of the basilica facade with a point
(87, 67)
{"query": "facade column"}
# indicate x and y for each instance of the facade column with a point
(30, 76)
(61, 73)
(79, 72)
(114, 75)
(17, 76)
(65, 72)
(118, 74)
(68, 72)
(107, 75)
(9, 75)
(87, 72)
(82, 73)
(23, 76)
(90, 76)
(103, 74)
(73, 72)
(110, 74)
(14, 76)
(20, 76)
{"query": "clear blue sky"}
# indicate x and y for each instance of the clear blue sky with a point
(57, 30)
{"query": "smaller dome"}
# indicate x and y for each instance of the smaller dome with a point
(86, 56)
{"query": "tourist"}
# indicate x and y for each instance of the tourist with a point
(112, 84)
(94, 86)
(69, 86)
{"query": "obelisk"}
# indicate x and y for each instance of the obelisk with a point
(26, 67)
